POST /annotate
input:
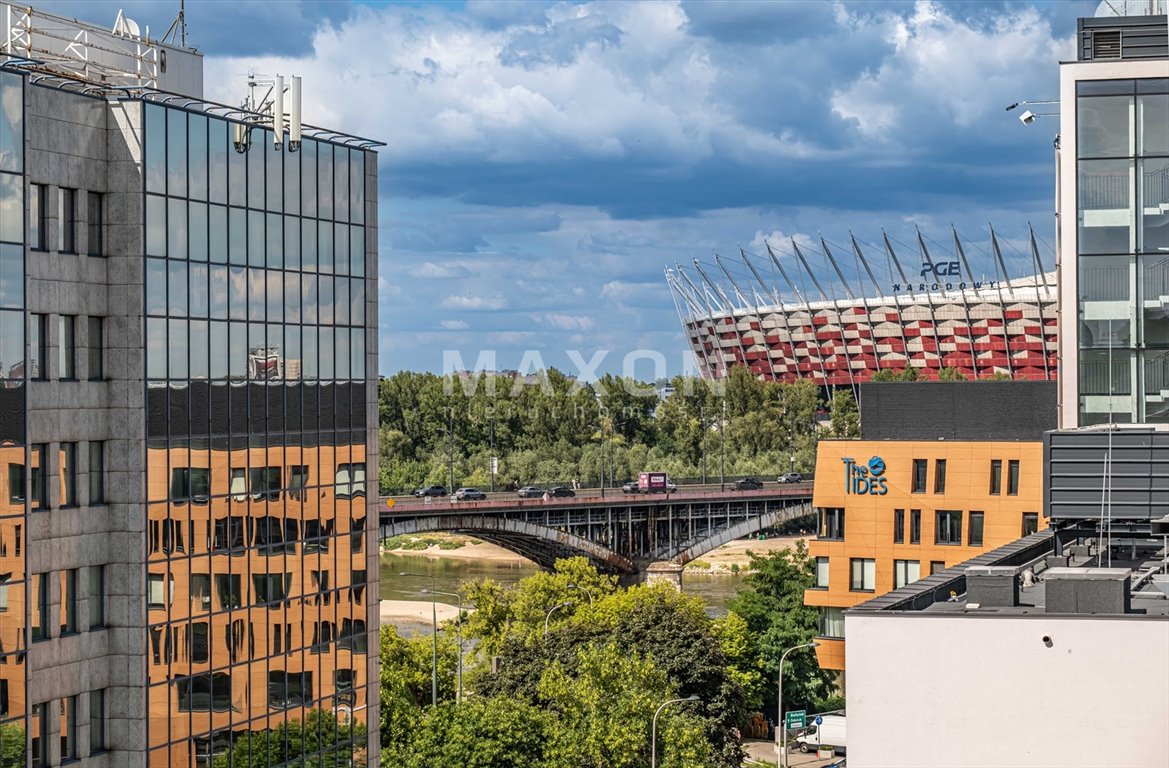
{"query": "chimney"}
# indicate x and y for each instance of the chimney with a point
(992, 586)
(1088, 590)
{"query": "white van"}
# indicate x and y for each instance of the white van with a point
(830, 733)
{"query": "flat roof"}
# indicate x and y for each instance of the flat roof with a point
(944, 593)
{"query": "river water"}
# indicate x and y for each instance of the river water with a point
(449, 574)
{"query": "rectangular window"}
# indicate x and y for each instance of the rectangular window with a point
(832, 524)
(996, 477)
(200, 642)
(238, 486)
(68, 726)
(38, 347)
(96, 369)
(864, 575)
(821, 573)
(265, 483)
(37, 204)
(97, 472)
(67, 345)
(156, 596)
(831, 622)
(949, 527)
(40, 735)
(1013, 477)
(190, 484)
(201, 591)
(940, 476)
(937, 566)
(97, 721)
(68, 474)
(97, 596)
(96, 245)
(899, 526)
(919, 471)
(67, 220)
(905, 572)
(976, 526)
(1030, 523)
(40, 614)
(39, 477)
(915, 526)
(297, 480)
(69, 601)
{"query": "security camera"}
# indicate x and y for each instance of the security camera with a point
(1027, 117)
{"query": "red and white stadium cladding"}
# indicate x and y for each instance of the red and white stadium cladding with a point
(1010, 329)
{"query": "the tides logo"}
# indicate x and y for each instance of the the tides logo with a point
(864, 479)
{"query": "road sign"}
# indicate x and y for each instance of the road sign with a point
(389, 502)
(819, 720)
(494, 465)
(796, 719)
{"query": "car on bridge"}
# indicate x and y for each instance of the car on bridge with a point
(790, 477)
(561, 492)
(470, 494)
(747, 484)
(430, 490)
(530, 492)
(630, 487)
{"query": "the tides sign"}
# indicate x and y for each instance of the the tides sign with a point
(865, 479)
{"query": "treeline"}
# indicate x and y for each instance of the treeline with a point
(567, 669)
(556, 429)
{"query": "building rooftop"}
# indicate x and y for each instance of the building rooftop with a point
(1133, 583)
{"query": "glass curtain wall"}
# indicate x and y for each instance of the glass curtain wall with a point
(1122, 150)
(255, 301)
(14, 457)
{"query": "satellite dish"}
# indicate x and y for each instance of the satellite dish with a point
(1113, 8)
(124, 26)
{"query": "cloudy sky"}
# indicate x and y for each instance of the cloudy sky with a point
(546, 161)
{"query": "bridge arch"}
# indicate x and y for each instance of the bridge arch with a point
(536, 542)
(689, 551)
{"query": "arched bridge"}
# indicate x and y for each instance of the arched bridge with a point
(619, 533)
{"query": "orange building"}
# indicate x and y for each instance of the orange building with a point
(890, 512)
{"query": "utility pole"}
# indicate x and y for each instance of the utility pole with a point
(491, 458)
(722, 448)
(705, 429)
(451, 444)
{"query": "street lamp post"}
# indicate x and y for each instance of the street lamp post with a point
(548, 615)
(458, 640)
(722, 448)
(780, 730)
(653, 732)
(583, 589)
(434, 619)
(705, 429)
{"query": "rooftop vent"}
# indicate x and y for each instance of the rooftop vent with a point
(1088, 590)
(992, 586)
(1106, 44)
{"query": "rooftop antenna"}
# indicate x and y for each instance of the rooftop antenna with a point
(268, 110)
(124, 26)
(178, 27)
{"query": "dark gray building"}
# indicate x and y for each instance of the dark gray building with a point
(188, 312)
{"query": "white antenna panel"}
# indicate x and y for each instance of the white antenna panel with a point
(294, 112)
(278, 112)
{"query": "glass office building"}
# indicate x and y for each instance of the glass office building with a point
(1115, 251)
(188, 574)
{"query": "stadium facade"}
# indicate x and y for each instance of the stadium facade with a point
(786, 320)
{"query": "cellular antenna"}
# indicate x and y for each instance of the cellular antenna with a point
(278, 112)
(177, 32)
(294, 115)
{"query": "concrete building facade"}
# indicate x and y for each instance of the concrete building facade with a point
(188, 418)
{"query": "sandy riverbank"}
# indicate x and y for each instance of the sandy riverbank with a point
(415, 611)
(720, 560)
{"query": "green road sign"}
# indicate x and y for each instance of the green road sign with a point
(796, 719)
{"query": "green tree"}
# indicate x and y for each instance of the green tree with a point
(321, 741)
(603, 706)
(12, 746)
(951, 374)
(772, 604)
(477, 733)
(845, 415)
(405, 680)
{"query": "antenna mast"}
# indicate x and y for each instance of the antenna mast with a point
(178, 27)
